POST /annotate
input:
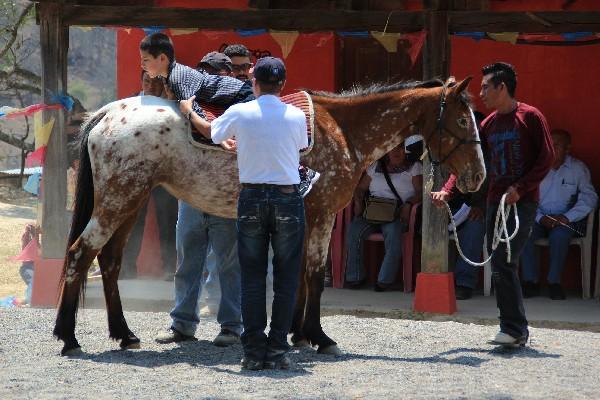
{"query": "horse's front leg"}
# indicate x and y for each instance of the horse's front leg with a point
(110, 264)
(318, 243)
(77, 262)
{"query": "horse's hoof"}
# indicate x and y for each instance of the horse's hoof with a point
(333, 349)
(71, 352)
(302, 343)
(130, 343)
(132, 346)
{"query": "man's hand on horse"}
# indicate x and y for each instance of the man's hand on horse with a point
(512, 196)
(229, 144)
(438, 198)
(185, 106)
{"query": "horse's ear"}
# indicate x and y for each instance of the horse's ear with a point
(462, 85)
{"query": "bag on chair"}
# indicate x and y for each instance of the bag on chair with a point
(380, 209)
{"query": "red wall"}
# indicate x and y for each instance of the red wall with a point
(561, 81)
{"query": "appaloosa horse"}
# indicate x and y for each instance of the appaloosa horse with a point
(131, 145)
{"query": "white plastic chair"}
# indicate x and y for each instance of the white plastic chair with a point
(585, 247)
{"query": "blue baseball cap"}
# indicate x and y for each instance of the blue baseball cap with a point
(269, 70)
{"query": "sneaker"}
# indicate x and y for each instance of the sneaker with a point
(308, 178)
(251, 365)
(226, 338)
(463, 292)
(283, 363)
(556, 292)
(530, 289)
(173, 336)
(506, 340)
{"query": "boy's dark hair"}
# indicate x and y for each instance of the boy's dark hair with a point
(158, 43)
(502, 73)
(236, 50)
(270, 88)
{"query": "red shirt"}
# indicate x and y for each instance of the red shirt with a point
(519, 150)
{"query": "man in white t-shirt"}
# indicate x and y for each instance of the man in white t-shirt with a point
(269, 136)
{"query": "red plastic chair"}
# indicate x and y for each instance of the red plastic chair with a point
(339, 250)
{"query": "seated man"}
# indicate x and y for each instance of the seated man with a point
(404, 184)
(566, 198)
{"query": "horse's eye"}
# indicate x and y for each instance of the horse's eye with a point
(463, 123)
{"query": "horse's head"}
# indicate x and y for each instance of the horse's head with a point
(452, 138)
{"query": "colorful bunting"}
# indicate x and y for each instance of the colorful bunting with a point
(66, 101)
(179, 32)
(11, 112)
(388, 40)
(42, 131)
(416, 41)
(31, 252)
(250, 32)
(510, 37)
(363, 34)
(37, 157)
(477, 36)
(573, 36)
(149, 30)
(285, 40)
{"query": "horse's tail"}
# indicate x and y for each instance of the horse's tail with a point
(83, 203)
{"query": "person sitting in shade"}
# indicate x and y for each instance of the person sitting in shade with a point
(566, 198)
(406, 177)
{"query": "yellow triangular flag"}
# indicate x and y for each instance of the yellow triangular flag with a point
(510, 37)
(41, 131)
(388, 40)
(285, 40)
(178, 32)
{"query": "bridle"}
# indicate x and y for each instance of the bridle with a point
(440, 129)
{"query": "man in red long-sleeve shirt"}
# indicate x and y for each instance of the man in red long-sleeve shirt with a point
(520, 154)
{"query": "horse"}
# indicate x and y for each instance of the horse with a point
(132, 145)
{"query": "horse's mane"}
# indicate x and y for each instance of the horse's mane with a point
(377, 88)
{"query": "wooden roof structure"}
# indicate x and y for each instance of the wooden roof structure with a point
(438, 18)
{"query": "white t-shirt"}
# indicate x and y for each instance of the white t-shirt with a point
(269, 136)
(402, 182)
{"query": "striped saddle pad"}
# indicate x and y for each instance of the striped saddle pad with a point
(301, 100)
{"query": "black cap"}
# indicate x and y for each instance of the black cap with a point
(218, 61)
(269, 70)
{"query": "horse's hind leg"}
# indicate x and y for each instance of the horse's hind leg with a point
(298, 338)
(110, 264)
(78, 260)
(318, 239)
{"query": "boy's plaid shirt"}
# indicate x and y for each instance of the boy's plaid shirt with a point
(215, 89)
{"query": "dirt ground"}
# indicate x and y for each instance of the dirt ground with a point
(17, 209)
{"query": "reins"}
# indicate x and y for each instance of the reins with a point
(500, 231)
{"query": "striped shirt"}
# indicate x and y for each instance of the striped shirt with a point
(186, 82)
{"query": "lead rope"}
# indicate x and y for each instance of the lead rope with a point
(500, 231)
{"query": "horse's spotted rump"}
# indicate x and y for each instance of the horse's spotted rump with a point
(168, 129)
(123, 106)
(161, 110)
(137, 133)
(135, 109)
(123, 121)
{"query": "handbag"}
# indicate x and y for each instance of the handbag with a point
(380, 209)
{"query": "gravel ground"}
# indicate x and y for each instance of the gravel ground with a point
(385, 358)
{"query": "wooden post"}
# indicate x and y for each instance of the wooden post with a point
(436, 57)
(54, 41)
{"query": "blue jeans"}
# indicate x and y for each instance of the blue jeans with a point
(505, 276)
(559, 239)
(470, 235)
(195, 230)
(267, 214)
(358, 231)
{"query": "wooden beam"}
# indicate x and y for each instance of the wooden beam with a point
(436, 63)
(532, 22)
(54, 41)
(279, 19)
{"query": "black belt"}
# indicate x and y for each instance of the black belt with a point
(267, 186)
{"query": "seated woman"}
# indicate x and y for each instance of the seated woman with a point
(407, 178)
